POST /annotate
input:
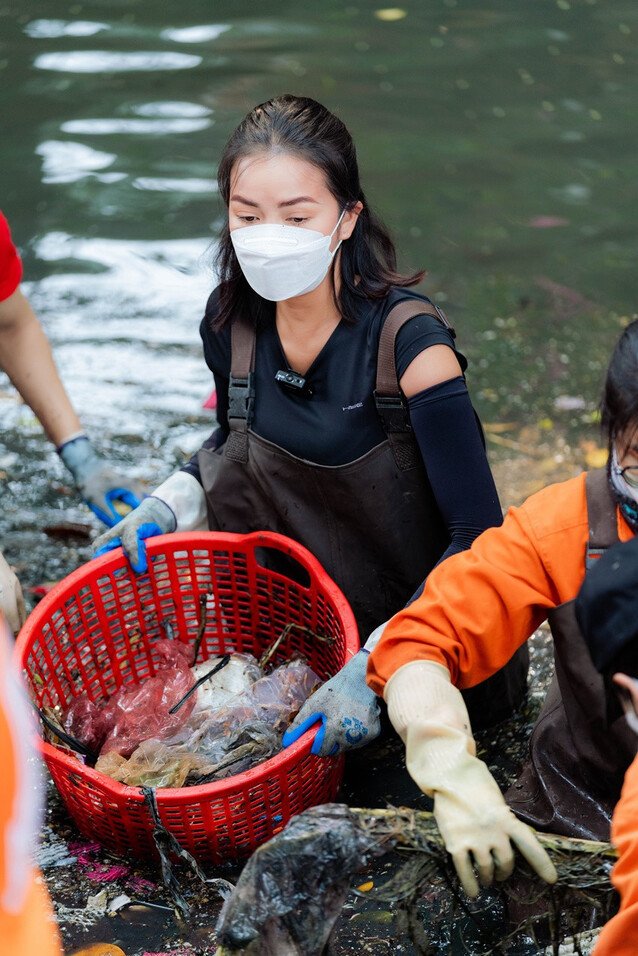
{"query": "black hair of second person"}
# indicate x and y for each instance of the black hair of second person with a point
(619, 402)
(306, 129)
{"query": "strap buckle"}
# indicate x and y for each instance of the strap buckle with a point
(241, 394)
(592, 555)
(391, 411)
(444, 319)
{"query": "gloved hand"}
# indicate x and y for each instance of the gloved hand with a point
(476, 824)
(11, 599)
(97, 482)
(179, 504)
(346, 707)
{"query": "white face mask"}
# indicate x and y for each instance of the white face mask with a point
(281, 262)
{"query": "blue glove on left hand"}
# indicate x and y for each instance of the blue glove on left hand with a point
(100, 486)
(347, 709)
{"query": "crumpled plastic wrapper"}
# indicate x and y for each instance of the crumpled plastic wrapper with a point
(240, 672)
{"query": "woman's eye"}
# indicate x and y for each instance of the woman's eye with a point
(247, 218)
(297, 220)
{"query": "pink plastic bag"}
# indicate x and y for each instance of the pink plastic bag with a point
(136, 712)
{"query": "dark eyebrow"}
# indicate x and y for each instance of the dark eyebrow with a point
(246, 202)
(297, 200)
(288, 202)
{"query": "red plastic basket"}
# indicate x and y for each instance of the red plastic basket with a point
(96, 630)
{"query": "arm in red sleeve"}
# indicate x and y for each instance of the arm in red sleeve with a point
(477, 608)
(10, 264)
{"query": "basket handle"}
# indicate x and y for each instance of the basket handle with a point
(288, 548)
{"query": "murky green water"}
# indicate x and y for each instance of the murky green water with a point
(498, 140)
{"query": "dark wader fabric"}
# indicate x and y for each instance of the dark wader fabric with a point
(581, 744)
(373, 523)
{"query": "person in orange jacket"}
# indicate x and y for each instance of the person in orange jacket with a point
(27, 925)
(477, 608)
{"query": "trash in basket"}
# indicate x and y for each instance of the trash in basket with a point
(217, 743)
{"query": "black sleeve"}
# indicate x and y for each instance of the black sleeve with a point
(419, 334)
(449, 438)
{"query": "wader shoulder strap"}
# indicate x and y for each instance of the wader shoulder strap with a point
(387, 395)
(241, 390)
(601, 513)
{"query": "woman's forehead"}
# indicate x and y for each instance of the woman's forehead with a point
(276, 171)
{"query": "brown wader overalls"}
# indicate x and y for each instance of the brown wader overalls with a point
(581, 744)
(373, 523)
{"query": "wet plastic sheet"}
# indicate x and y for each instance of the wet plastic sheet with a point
(293, 888)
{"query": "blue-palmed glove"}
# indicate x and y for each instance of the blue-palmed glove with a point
(179, 504)
(100, 485)
(345, 706)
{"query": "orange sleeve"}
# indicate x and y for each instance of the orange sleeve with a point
(26, 921)
(479, 606)
(620, 936)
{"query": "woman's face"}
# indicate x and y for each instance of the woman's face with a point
(282, 189)
(626, 445)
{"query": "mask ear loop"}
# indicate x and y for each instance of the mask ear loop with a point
(336, 248)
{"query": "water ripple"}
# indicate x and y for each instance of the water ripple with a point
(106, 61)
(67, 162)
(49, 29)
(200, 34)
(157, 184)
(171, 108)
(105, 127)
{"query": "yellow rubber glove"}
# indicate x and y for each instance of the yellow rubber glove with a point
(477, 826)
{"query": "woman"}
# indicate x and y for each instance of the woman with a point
(476, 610)
(25, 355)
(316, 439)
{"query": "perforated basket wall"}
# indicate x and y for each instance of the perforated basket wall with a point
(97, 629)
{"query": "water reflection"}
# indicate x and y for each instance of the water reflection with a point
(175, 185)
(104, 127)
(48, 29)
(67, 162)
(109, 61)
(203, 34)
(171, 108)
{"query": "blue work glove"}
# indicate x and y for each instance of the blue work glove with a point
(151, 518)
(100, 486)
(347, 709)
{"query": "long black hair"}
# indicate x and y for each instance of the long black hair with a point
(298, 125)
(619, 403)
